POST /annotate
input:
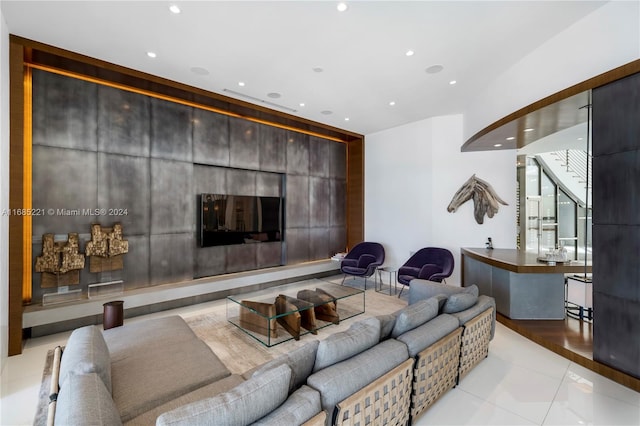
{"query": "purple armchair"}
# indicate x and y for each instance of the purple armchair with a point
(362, 260)
(429, 263)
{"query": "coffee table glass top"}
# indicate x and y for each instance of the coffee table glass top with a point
(278, 314)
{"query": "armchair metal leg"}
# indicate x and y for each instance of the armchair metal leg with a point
(343, 278)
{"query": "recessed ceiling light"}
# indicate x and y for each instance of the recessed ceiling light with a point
(452, 82)
(497, 145)
(199, 71)
(511, 138)
(346, 119)
(151, 54)
(392, 103)
(434, 69)
(409, 53)
(274, 95)
(342, 6)
(317, 69)
(241, 83)
(326, 112)
(528, 130)
(174, 9)
(579, 139)
(301, 104)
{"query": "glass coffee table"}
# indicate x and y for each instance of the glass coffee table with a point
(279, 314)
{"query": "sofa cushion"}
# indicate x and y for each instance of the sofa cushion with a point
(427, 334)
(386, 325)
(484, 302)
(414, 315)
(340, 380)
(86, 352)
(242, 405)
(301, 406)
(148, 335)
(85, 400)
(208, 391)
(423, 289)
(168, 372)
(300, 361)
(459, 302)
(342, 345)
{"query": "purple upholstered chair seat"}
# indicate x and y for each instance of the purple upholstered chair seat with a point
(362, 260)
(429, 263)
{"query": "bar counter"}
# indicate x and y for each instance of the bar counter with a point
(524, 288)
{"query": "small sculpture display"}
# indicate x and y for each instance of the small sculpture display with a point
(485, 199)
(60, 261)
(106, 248)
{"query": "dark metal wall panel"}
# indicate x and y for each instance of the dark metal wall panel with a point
(618, 179)
(319, 201)
(210, 138)
(241, 182)
(616, 227)
(64, 180)
(209, 261)
(269, 184)
(117, 174)
(171, 258)
(319, 157)
(297, 202)
(243, 143)
(337, 240)
(172, 203)
(614, 324)
(64, 112)
(614, 104)
(319, 240)
(297, 154)
(171, 130)
(297, 240)
(124, 122)
(209, 180)
(136, 273)
(273, 145)
(241, 257)
(338, 160)
(338, 201)
(269, 254)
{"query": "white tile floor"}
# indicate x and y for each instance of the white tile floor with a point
(520, 383)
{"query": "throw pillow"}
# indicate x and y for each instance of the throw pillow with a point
(300, 360)
(414, 315)
(242, 405)
(339, 346)
(86, 352)
(459, 302)
(386, 325)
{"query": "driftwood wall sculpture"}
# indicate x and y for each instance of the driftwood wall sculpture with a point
(485, 199)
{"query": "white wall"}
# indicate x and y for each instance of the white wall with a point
(411, 174)
(4, 189)
(605, 39)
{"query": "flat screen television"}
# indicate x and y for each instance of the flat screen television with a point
(239, 219)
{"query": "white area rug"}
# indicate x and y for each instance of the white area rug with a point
(240, 352)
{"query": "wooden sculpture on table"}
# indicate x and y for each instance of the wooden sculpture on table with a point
(325, 305)
(60, 262)
(106, 248)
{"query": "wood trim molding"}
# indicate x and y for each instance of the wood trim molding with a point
(16, 198)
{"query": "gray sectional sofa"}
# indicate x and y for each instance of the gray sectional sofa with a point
(382, 370)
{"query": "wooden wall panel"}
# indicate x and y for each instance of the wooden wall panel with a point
(355, 192)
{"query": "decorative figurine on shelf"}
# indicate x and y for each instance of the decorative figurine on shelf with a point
(489, 244)
(60, 262)
(106, 248)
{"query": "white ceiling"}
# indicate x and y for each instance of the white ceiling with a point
(274, 47)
